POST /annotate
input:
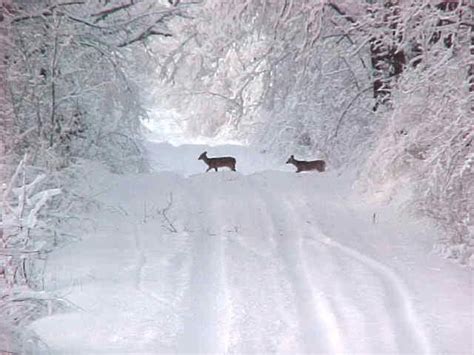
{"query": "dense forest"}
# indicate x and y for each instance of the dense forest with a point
(381, 87)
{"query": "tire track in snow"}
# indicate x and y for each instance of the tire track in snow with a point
(392, 281)
(398, 285)
(317, 321)
(261, 316)
(357, 296)
(141, 259)
(204, 328)
(140, 266)
(353, 300)
(223, 307)
(323, 308)
(353, 292)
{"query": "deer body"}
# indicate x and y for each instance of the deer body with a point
(219, 162)
(302, 165)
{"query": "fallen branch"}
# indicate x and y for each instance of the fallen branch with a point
(163, 213)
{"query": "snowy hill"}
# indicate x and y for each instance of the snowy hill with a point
(271, 261)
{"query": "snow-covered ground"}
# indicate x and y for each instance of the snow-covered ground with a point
(261, 260)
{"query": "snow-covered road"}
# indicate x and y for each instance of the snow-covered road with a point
(270, 261)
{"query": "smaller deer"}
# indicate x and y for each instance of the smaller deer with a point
(302, 165)
(220, 162)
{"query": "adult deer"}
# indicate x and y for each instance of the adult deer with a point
(302, 165)
(219, 162)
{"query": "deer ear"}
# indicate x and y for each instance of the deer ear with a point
(292, 156)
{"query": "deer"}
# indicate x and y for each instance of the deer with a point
(218, 162)
(302, 165)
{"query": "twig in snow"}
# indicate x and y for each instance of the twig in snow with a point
(163, 213)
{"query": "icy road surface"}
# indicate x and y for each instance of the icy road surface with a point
(250, 262)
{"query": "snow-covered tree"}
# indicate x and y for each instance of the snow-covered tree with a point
(426, 139)
(69, 69)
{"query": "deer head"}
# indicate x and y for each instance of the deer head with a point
(291, 159)
(203, 156)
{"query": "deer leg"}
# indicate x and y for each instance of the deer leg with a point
(215, 169)
(208, 169)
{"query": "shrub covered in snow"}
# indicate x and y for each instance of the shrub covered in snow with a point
(27, 235)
